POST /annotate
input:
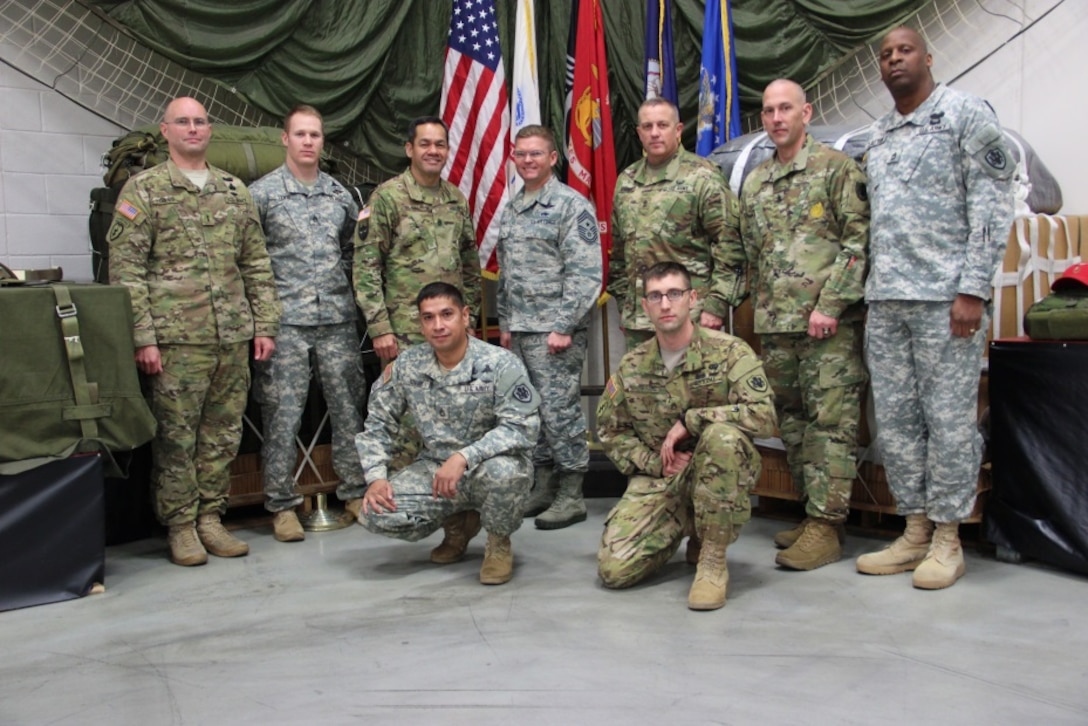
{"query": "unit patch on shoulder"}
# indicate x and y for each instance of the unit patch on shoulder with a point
(522, 393)
(587, 227)
(757, 384)
(995, 157)
(115, 232)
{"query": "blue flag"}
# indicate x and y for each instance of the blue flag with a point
(660, 59)
(719, 101)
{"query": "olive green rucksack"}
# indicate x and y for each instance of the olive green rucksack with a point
(1061, 315)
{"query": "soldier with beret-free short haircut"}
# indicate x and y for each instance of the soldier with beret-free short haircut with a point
(476, 413)
(549, 256)
(187, 243)
(673, 206)
(805, 227)
(678, 417)
(309, 220)
(940, 185)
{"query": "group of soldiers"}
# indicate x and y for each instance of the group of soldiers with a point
(463, 435)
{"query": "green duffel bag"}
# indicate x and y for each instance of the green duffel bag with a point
(247, 152)
(1061, 315)
(68, 380)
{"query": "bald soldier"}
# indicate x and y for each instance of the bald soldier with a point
(678, 417)
(805, 227)
(673, 206)
(940, 185)
(187, 243)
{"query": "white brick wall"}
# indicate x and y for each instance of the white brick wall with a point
(50, 159)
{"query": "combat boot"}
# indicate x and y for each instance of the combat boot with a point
(545, 487)
(498, 566)
(569, 507)
(286, 527)
(185, 547)
(217, 540)
(354, 507)
(943, 564)
(787, 537)
(460, 528)
(711, 575)
(817, 546)
(905, 553)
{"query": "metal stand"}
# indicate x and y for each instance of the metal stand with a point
(323, 519)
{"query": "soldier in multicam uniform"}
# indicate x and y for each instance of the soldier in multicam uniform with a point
(942, 203)
(477, 413)
(549, 278)
(805, 227)
(187, 243)
(416, 229)
(673, 205)
(309, 220)
(678, 416)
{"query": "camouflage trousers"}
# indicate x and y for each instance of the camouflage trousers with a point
(925, 388)
(497, 488)
(408, 443)
(198, 400)
(282, 387)
(558, 378)
(646, 526)
(818, 386)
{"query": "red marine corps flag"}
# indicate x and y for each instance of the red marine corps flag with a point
(591, 155)
(475, 107)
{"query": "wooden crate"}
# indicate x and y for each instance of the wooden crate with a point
(775, 481)
(247, 488)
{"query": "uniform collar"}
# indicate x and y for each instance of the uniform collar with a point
(776, 170)
(419, 193)
(292, 185)
(669, 172)
(465, 370)
(545, 196)
(693, 358)
(919, 116)
(218, 179)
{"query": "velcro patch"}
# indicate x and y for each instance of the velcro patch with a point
(757, 383)
(610, 388)
(587, 227)
(364, 213)
(522, 393)
(126, 210)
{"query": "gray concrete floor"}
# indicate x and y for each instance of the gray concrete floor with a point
(348, 627)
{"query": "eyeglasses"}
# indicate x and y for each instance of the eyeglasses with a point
(654, 298)
(186, 122)
(535, 154)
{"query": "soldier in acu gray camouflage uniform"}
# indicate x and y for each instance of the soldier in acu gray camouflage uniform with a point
(805, 226)
(673, 205)
(309, 220)
(678, 416)
(186, 242)
(476, 412)
(942, 203)
(549, 256)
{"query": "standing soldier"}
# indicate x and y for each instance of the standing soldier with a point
(673, 206)
(549, 279)
(187, 244)
(309, 219)
(477, 416)
(940, 177)
(805, 226)
(678, 417)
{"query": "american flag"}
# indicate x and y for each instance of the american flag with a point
(474, 106)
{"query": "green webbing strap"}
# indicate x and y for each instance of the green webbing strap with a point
(86, 410)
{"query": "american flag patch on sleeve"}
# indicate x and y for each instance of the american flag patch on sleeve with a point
(126, 210)
(610, 388)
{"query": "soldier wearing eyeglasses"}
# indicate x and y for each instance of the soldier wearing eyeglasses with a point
(678, 417)
(187, 243)
(549, 255)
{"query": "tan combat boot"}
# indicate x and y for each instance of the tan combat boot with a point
(498, 566)
(460, 528)
(217, 540)
(905, 553)
(787, 537)
(568, 508)
(817, 546)
(712, 575)
(545, 487)
(185, 547)
(943, 564)
(286, 527)
(354, 507)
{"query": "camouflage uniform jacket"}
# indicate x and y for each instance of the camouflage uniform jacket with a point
(942, 200)
(485, 407)
(721, 380)
(549, 257)
(805, 227)
(409, 236)
(683, 212)
(194, 260)
(310, 233)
